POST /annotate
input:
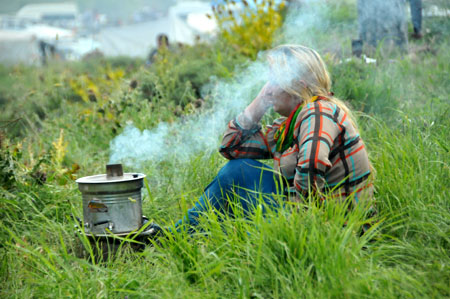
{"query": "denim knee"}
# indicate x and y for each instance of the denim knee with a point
(233, 172)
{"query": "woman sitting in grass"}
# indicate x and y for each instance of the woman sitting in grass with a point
(315, 146)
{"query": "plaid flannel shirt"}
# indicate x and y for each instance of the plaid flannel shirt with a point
(327, 155)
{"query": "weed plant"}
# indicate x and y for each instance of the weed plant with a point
(307, 250)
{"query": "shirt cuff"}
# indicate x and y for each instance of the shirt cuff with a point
(246, 124)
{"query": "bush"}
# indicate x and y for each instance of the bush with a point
(177, 77)
(251, 29)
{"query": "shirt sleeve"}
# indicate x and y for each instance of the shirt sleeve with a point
(244, 139)
(318, 131)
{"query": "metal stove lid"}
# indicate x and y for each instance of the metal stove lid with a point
(102, 178)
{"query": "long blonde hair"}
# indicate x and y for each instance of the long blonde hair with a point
(301, 72)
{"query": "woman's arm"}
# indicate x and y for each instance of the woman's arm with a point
(258, 107)
(243, 138)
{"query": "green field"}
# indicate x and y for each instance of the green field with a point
(57, 123)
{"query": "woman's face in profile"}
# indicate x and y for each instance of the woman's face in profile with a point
(284, 103)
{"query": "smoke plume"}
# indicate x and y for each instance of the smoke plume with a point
(198, 133)
(305, 24)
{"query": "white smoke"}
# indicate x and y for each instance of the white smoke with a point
(198, 133)
(187, 137)
(305, 22)
(195, 134)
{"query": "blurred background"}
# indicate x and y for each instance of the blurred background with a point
(70, 30)
(35, 31)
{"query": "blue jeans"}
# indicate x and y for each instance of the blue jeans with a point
(416, 14)
(241, 181)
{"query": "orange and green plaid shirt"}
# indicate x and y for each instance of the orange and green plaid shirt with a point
(327, 154)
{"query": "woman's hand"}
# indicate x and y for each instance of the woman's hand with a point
(263, 101)
(268, 94)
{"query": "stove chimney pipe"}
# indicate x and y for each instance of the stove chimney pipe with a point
(113, 171)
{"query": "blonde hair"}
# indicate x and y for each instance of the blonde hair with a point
(305, 75)
(301, 72)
